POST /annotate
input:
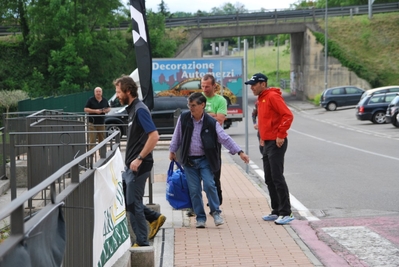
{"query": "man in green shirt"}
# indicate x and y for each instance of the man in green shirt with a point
(216, 106)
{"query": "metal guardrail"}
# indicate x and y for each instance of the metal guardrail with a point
(276, 15)
(255, 17)
(77, 197)
(64, 180)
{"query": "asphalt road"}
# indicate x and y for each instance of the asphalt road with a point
(343, 177)
(335, 162)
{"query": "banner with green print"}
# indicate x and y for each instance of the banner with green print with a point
(111, 235)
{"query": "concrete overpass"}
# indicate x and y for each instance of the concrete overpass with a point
(307, 55)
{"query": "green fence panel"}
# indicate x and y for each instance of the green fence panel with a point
(68, 103)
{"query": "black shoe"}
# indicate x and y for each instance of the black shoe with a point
(190, 213)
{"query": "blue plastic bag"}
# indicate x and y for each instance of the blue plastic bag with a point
(177, 193)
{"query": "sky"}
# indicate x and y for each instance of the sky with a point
(207, 5)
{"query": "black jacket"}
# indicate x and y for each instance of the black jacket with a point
(209, 139)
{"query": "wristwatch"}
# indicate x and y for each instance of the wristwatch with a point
(239, 152)
(139, 157)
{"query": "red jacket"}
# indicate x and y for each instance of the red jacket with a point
(274, 117)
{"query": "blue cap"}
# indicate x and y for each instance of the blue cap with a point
(258, 77)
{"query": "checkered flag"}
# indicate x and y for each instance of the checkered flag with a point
(142, 48)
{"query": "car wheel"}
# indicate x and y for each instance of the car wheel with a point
(379, 117)
(395, 120)
(226, 124)
(331, 106)
(113, 128)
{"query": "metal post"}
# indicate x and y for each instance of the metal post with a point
(245, 102)
(254, 52)
(370, 8)
(3, 136)
(221, 78)
(278, 59)
(326, 49)
(13, 176)
(150, 190)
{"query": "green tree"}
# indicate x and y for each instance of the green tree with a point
(14, 12)
(163, 9)
(161, 45)
(9, 99)
(180, 14)
(71, 47)
(229, 8)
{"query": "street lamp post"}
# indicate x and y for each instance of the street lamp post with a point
(326, 49)
(278, 60)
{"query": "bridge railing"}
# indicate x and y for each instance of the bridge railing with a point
(270, 16)
(275, 16)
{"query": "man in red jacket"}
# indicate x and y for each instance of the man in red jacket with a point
(274, 120)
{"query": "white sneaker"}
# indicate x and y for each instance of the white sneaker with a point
(217, 218)
(284, 219)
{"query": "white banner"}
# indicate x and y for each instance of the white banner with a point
(111, 235)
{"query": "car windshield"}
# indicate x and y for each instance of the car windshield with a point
(395, 101)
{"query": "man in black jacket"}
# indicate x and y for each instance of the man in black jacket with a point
(142, 136)
(198, 135)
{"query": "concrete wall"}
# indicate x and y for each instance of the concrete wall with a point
(193, 47)
(313, 69)
(296, 69)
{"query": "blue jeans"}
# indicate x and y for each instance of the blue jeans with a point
(135, 186)
(198, 170)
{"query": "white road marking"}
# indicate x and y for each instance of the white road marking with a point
(295, 203)
(367, 245)
(346, 146)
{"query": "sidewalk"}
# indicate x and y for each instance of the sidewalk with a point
(244, 240)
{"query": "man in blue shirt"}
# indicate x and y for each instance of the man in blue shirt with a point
(142, 136)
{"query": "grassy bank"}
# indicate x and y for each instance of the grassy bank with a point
(368, 47)
(267, 60)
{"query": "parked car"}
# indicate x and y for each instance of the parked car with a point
(332, 98)
(192, 85)
(374, 107)
(393, 111)
(379, 90)
(189, 86)
(163, 114)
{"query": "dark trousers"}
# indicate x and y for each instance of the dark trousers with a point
(216, 177)
(134, 186)
(273, 165)
(150, 215)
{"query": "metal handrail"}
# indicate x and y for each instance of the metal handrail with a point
(15, 209)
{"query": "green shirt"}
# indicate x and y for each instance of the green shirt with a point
(216, 104)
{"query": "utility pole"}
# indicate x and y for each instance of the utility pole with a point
(326, 49)
(245, 101)
(278, 60)
(254, 52)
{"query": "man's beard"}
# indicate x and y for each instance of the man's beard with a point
(124, 101)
